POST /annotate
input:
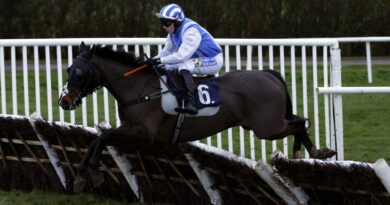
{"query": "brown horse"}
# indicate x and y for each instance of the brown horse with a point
(255, 100)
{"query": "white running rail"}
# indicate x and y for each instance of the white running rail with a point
(367, 41)
(33, 71)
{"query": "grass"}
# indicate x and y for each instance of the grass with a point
(35, 197)
(366, 125)
(366, 116)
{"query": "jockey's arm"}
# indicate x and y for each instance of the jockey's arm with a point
(191, 42)
(168, 49)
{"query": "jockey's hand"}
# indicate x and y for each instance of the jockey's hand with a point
(153, 61)
(140, 60)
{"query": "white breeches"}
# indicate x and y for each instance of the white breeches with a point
(200, 66)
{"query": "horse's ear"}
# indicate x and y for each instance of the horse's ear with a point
(93, 49)
(82, 46)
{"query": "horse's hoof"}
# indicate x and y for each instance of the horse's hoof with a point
(297, 155)
(326, 153)
(97, 178)
(313, 152)
(79, 184)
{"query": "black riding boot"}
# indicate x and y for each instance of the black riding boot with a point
(189, 106)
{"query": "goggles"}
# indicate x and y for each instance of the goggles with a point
(166, 22)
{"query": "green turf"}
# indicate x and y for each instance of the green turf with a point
(366, 125)
(366, 116)
(17, 197)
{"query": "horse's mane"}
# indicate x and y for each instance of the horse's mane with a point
(121, 56)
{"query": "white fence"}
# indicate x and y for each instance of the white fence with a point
(367, 41)
(30, 83)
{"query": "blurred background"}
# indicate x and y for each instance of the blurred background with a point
(222, 18)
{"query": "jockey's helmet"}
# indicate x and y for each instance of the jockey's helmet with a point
(171, 12)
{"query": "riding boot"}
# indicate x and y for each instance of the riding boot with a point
(189, 106)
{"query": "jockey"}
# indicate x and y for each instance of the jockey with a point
(189, 48)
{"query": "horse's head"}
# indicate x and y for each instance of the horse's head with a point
(82, 80)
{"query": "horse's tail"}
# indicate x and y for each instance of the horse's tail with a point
(289, 113)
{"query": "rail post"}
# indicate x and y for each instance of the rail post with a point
(337, 130)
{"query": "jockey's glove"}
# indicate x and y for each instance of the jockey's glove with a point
(153, 61)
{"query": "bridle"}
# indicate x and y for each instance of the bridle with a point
(93, 76)
(84, 90)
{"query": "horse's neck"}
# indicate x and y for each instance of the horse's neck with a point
(121, 87)
(109, 70)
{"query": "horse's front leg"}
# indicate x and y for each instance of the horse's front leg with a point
(131, 134)
(89, 160)
(97, 176)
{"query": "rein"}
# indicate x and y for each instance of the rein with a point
(140, 98)
(135, 70)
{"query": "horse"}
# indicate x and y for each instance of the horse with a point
(255, 100)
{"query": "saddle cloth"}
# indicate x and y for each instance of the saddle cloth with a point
(206, 95)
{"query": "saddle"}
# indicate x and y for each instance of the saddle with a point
(206, 93)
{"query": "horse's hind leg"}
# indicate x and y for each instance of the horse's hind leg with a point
(302, 136)
(297, 128)
(297, 147)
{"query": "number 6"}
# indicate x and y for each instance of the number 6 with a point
(204, 95)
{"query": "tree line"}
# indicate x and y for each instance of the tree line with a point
(223, 18)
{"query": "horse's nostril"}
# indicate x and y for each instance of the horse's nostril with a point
(64, 105)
